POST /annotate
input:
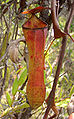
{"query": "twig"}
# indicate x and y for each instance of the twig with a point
(5, 22)
(49, 47)
(4, 7)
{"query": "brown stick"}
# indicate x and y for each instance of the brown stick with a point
(57, 32)
(51, 98)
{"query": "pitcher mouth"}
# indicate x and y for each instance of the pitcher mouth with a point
(33, 28)
(34, 23)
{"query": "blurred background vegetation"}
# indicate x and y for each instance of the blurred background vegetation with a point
(13, 76)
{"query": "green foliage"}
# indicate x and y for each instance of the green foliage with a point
(7, 78)
(9, 100)
(21, 91)
(22, 77)
(63, 103)
(14, 109)
(50, 67)
(71, 91)
(4, 44)
(19, 82)
(15, 86)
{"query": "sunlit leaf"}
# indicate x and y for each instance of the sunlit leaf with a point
(2, 73)
(15, 86)
(4, 44)
(7, 78)
(8, 98)
(24, 105)
(66, 79)
(71, 91)
(20, 69)
(11, 110)
(21, 91)
(63, 103)
(22, 77)
(50, 67)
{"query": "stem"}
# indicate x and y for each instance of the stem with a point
(50, 100)
(49, 47)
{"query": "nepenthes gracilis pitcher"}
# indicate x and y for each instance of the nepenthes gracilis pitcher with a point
(35, 31)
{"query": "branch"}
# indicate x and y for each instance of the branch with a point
(50, 100)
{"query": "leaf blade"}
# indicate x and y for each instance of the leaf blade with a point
(8, 99)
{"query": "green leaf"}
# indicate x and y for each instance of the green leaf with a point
(66, 79)
(15, 86)
(71, 91)
(21, 91)
(2, 73)
(20, 70)
(4, 44)
(12, 110)
(50, 67)
(24, 105)
(19, 82)
(7, 78)
(8, 99)
(22, 77)
(63, 103)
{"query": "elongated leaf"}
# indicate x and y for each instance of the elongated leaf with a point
(50, 67)
(8, 99)
(66, 79)
(63, 103)
(72, 90)
(11, 110)
(24, 105)
(22, 77)
(20, 69)
(7, 78)
(19, 82)
(15, 87)
(4, 44)
(21, 91)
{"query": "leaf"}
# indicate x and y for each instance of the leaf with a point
(66, 79)
(71, 91)
(22, 77)
(15, 86)
(20, 69)
(19, 82)
(8, 99)
(50, 67)
(63, 103)
(11, 110)
(24, 105)
(7, 78)
(21, 91)
(2, 73)
(4, 44)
